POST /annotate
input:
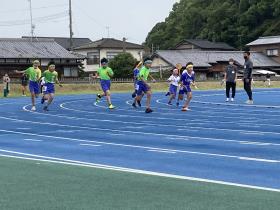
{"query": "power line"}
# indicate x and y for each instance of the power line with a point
(35, 8)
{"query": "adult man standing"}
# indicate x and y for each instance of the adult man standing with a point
(247, 76)
(230, 78)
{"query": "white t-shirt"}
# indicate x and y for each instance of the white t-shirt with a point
(174, 80)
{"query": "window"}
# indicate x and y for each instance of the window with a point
(272, 52)
(93, 58)
(111, 55)
(70, 72)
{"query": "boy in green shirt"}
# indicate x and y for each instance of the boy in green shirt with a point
(50, 77)
(34, 75)
(105, 73)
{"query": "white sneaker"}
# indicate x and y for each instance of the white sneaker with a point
(250, 102)
(227, 100)
(33, 108)
(232, 99)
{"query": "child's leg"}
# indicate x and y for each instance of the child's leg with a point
(189, 98)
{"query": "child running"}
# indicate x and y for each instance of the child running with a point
(136, 72)
(34, 75)
(50, 78)
(188, 79)
(105, 73)
(174, 80)
(143, 86)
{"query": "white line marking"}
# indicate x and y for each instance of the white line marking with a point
(91, 145)
(107, 167)
(36, 140)
(252, 133)
(161, 151)
(143, 147)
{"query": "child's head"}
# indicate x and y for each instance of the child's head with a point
(148, 62)
(36, 63)
(104, 63)
(189, 67)
(175, 72)
(51, 66)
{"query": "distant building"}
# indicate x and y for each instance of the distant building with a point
(209, 64)
(64, 41)
(18, 53)
(269, 45)
(201, 45)
(109, 48)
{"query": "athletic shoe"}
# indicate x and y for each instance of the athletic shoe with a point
(134, 105)
(139, 103)
(33, 108)
(23, 95)
(227, 100)
(184, 109)
(133, 95)
(232, 99)
(169, 103)
(111, 106)
(177, 104)
(149, 110)
(250, 102)
(42, 100)
(98, 98)
(46, 108)
(167, 94)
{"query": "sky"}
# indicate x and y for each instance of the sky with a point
(94, 19)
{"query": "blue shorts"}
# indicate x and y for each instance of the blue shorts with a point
(34, 87)
(173, 89)
(185, 90)
(136, 84)
(142, 88)
(48, 88)
(105, 85)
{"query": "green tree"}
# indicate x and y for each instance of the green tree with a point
(122, 65)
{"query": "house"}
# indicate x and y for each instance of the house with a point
(209, 64)
(269, 45)
(201, 45)
(18, 53)
(109, 48)
(64, 41)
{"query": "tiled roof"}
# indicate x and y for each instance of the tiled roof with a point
(24, 48)
(205, 44)
(266, 40)
(110, 43)
(65, 42)
(206, 58)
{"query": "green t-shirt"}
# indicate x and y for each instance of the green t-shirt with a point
(33, 74)
(105, 74)
(50, 77)
(144, 73)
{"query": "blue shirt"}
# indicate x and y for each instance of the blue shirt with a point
(136, 73)
(187, 79)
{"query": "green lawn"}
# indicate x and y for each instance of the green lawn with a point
(34, 185)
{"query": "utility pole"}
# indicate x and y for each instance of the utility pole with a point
(31, 20)
(70, 25)
(108, 31)
(124, 48)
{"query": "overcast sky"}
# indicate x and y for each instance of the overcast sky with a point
(93, 19)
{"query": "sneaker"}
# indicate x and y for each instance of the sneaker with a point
(167, 94)
(98, 98)
(134, 105)
(149, 110)
(111, 106)
(139, 103)
(232, 99)
(33, 108)
(23, 95)
(184, 109)
(177, 104)
(46, 108)
(42, 100)
(227, 100)
(133, 95)
(249, 102)
(169, 103)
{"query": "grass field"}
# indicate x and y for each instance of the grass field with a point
(31, 185)
(127, 87)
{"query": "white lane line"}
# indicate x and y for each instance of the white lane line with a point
(23, 128)
(252, 133)
(134, 132)
(116, 134)
(143, 147)
(36, 140)
(91, 145)
(161, 151)
(256, 143)
(129, 170)
(257, 159)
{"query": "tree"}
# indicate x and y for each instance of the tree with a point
(122, 65)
